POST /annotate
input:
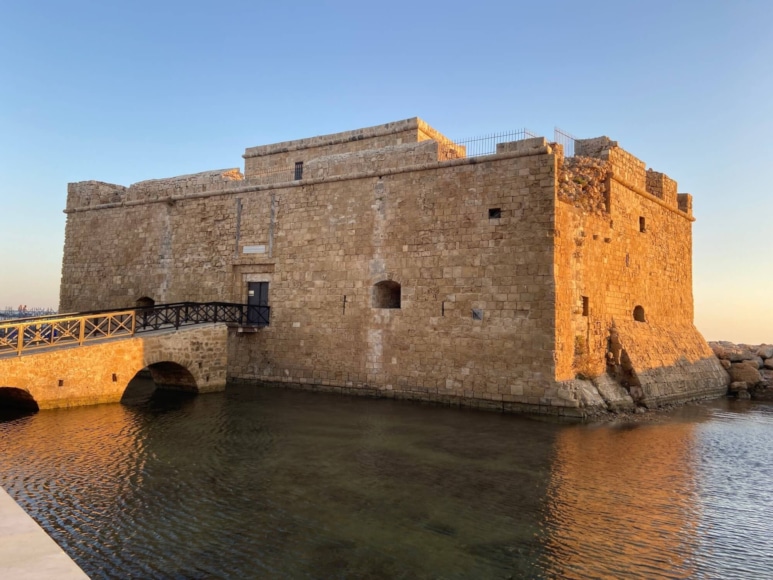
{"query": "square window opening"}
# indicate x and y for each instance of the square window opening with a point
(494, 213)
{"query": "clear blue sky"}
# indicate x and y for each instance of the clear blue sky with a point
(127, 91)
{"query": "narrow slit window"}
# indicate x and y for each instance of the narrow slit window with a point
(585, 306)
(298, 170)
(642, 224)
(495, 213)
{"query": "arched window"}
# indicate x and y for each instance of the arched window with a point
(145, 302)
(638, 314)
(386, 294)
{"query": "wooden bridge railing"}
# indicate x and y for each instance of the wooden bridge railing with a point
(31, 334)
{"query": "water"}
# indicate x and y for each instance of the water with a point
(264, 483)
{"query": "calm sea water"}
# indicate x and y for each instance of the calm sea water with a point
(264, 483)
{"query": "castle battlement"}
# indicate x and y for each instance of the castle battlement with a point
(86, 194)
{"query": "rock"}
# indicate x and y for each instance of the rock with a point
(746, 372)
(719, 350)
(768, 363)
(732, 352)
(725, 363)
(743, 395)
(738, 386)
(765, 351)
(759, 362)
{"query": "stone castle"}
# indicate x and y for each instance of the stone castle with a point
(394, 265)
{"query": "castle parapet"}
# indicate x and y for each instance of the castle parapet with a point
(662, 186)
(85, 194)
(180, 186)
(533, 145)
(90, 193)
(633, 173)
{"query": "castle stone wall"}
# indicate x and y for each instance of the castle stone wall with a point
(635, 252)
(514, 270)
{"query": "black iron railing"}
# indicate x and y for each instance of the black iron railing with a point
(188, 313)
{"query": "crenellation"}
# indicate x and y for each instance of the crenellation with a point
(684, 201)
(662, 186)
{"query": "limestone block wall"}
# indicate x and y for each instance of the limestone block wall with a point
(88, 194)
(99, 372)
(372, 160)
(429, 231)
(282, 156)
(661, 364)
(476, 316)
(166, 251)
(635, 250)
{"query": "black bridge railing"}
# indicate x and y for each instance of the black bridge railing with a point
(23, 335)
(188, 313)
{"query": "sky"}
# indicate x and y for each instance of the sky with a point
(127, 91)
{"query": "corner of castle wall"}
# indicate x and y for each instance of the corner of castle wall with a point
(83, 194)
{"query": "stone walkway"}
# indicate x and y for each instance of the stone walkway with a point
(27, 552)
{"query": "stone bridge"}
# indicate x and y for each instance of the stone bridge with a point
(90, 358)
(191, 359)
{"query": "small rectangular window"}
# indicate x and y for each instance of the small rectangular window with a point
(477, 314)
(642, 224)
(494, 213)
(298, 170)
(585, 306)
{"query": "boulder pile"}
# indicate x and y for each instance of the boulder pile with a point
(750, 367)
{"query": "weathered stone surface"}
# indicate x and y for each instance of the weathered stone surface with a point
(615, 395)
(738, 386)
(550, 254)
(765, 351)
(768, 363)
(743, 394)
(746, 372)
(725, 363)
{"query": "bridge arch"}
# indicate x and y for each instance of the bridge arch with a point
(174, 376)
(17, 399)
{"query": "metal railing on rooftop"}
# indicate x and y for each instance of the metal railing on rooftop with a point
(487, 144)
(566, 139)
(472, 147)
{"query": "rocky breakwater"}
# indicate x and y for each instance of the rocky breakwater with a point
(750, 368)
